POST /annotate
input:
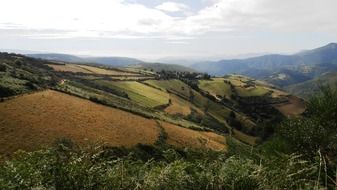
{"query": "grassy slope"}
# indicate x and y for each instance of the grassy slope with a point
(255, 91)
(80, 90)
(216, 86)
(140, 93)
(174, 86)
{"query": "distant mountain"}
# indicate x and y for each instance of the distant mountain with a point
(23, 52)
(285, 77)
(111, 61)
(268, 64)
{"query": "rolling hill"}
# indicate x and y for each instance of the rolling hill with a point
(309, 88)
(116, 105)
(127, 62)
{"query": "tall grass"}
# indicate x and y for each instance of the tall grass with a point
(68, 167)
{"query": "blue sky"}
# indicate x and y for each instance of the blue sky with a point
(152, 29)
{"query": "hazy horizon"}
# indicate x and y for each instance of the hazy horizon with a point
(204, 29)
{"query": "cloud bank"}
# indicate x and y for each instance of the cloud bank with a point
(168, 24)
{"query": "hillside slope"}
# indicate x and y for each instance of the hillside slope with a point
(32, 121)
(309, 88)
(234, 105)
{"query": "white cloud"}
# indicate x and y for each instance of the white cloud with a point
(119, 19)
(172, 7)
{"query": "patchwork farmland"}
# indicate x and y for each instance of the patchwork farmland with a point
(36, 120)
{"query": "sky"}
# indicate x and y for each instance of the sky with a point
(153, 29)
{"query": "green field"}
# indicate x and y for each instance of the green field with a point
(251, 91)
(216, 87)
(138, 92)
(246, 87)
(175, 86)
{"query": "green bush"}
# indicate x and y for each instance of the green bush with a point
(67, 166)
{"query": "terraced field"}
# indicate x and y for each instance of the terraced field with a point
(31, 121)
(138, 92)
(216, 87)
(174, 86)
(200, 102)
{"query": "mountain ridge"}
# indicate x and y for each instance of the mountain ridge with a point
(271, 62)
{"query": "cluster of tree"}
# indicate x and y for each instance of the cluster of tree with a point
(315, 134)
(182, 75)
(23, 74)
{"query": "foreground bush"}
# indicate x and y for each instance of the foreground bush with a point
(144, 167)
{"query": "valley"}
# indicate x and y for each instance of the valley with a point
(168, 95)
(109, 120)
(125, 107)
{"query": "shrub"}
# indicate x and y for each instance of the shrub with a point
(146, 167)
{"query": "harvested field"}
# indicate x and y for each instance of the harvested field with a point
(182, 137)
(31, 121)
(178, 106)
(294, 107)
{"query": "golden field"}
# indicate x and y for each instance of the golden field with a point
(35, 120)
